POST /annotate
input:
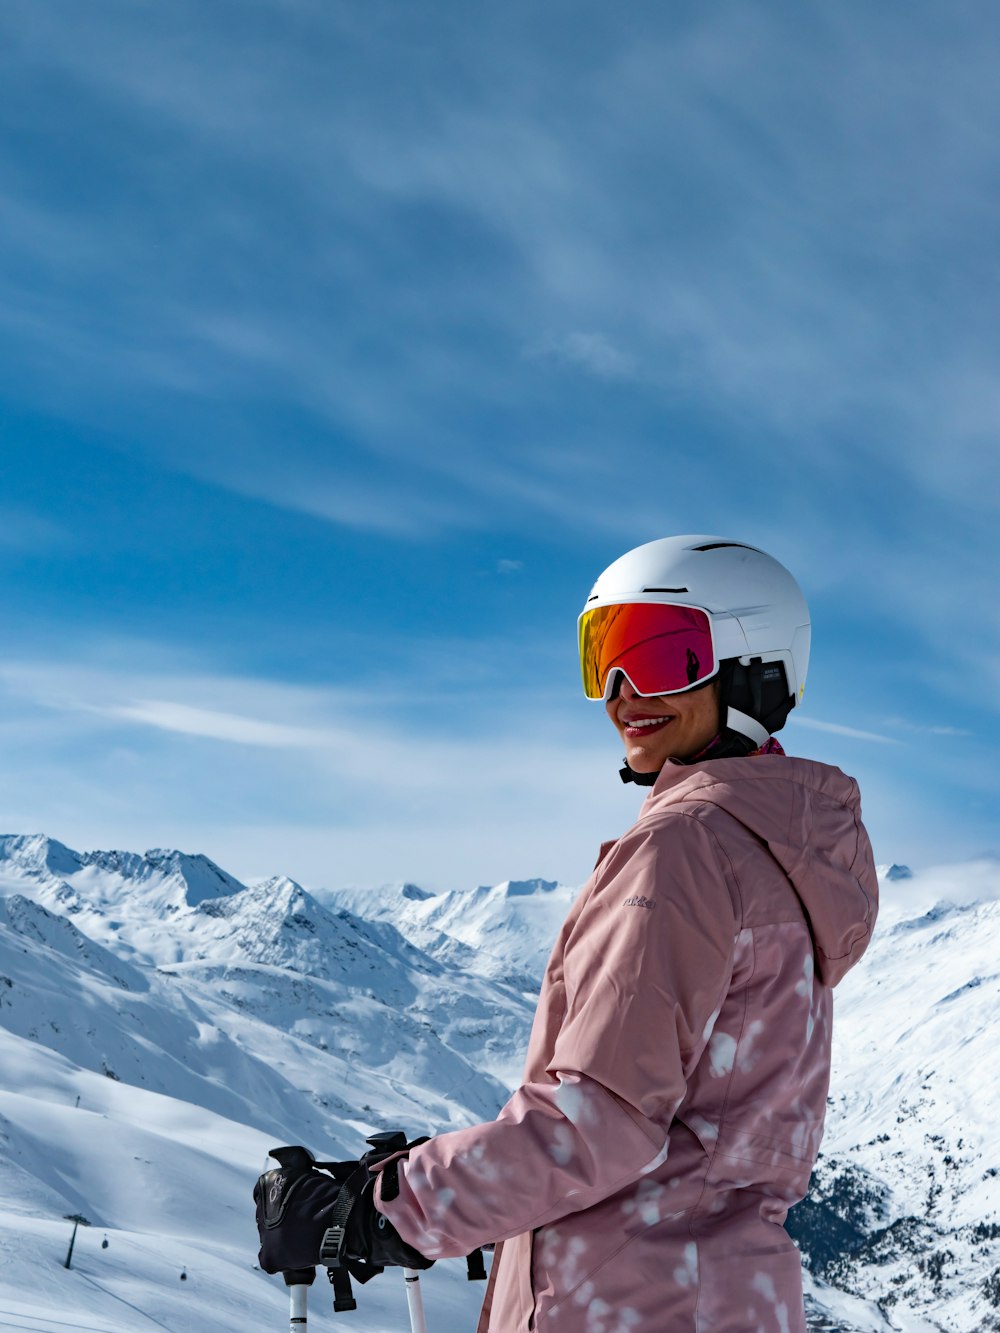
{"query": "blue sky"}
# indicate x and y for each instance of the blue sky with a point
(342, 346)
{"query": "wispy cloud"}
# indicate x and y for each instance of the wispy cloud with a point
(215, 725)
(748, 246)
(838, 729)
(332, 770)
(925, 728)
(753, 249)
(594, 353)
(140, 746)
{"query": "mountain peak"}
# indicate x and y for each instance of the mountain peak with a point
(526, 888)
(415, 893)
(201, 877)
(277, 885)
(38, 854)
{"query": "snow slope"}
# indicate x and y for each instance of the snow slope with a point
(200, 1021)
(167, 1183)
(197, 1032)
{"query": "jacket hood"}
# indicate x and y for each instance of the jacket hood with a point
(809, 816)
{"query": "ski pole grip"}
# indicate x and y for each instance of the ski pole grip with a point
(299, 1277)
(295, 1159)
(388, 1142)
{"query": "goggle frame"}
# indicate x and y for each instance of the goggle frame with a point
(612, 668)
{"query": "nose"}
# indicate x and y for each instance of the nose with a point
(625, 688)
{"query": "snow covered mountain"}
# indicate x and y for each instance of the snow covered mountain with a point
(162, 1023)
(905, 1205)
(503, 932)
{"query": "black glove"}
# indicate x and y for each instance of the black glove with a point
(294, 1205)
(306, 1216)
(370, 1237)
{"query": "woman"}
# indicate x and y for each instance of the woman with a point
(675, 1086)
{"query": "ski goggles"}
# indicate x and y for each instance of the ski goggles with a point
(661, 647)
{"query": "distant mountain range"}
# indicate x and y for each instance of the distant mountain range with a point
(227, 1017)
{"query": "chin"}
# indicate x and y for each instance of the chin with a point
(644, 763)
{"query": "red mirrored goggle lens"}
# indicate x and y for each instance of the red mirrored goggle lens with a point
(662, 649)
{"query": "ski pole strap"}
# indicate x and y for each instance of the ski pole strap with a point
(332, 1245)
(343, 1293)
(476, 1266)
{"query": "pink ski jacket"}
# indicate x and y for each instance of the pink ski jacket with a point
(676, 1079)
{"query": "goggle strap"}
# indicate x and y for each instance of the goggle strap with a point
(747, 726)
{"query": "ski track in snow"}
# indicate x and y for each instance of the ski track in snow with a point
(163, 1025)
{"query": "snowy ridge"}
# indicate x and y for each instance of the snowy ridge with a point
(167, 879)
(502, 931)
(200, 1021)
(37, 857)
(906, 1201)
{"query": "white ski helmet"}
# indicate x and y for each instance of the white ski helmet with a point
(757, 611)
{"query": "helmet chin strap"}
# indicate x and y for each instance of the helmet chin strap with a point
(628, 774)
(746, 726)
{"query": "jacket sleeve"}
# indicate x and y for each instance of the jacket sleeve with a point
(628, 1005)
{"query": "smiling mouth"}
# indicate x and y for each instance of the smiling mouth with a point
(645, 726)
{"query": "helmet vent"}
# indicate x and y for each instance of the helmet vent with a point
(724, 546)
(665, 590)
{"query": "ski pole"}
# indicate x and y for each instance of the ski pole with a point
(298, 1305)
(298, 1281)
(415, 1300)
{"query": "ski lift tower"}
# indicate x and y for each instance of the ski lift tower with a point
(77, 1219)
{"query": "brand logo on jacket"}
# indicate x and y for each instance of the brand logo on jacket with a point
(639, 901)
